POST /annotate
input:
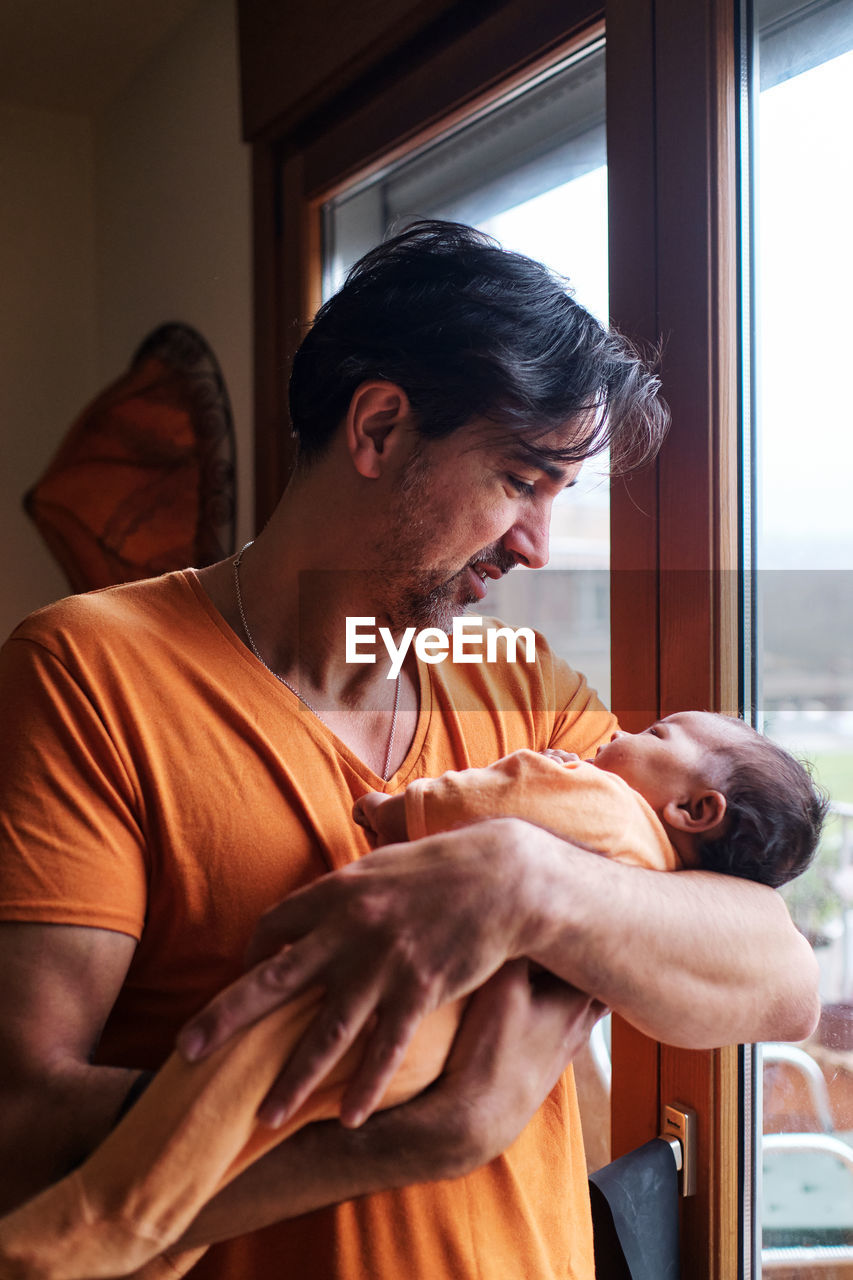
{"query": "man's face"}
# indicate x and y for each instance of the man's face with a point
(672, 758)
(468, 509)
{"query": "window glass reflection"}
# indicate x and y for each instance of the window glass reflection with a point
(804, 593)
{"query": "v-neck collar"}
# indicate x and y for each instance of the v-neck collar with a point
(309, 720)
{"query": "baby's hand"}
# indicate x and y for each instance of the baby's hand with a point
(565, 757)
(383, 817)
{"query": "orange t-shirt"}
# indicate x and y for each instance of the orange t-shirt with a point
(157, 780)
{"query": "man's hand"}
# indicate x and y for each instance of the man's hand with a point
(484, 1098)
(491, 1087)
(389, 938)
(695, 959)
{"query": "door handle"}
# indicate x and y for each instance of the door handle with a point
(680, 1131)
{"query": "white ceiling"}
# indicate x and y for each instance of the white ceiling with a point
(75, 55)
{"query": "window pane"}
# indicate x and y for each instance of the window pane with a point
(532, 173)
(803, 533)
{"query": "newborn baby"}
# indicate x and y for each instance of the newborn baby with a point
(692, 790)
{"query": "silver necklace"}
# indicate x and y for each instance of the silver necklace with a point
(256, 651)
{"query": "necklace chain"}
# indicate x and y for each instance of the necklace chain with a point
(256, 651)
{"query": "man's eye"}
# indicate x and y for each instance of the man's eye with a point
(521, 486)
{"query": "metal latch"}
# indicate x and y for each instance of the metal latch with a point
(680, 1129)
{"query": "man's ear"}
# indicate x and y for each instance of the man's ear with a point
(702, 812)
(376, 411)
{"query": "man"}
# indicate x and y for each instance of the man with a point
(183, 754)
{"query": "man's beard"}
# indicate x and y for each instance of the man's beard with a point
(420, 597)
(429, 599)
(433, 598)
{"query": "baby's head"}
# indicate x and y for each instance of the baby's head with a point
(731, 800)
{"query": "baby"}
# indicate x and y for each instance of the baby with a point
(692, 790)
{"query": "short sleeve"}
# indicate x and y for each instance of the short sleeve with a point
(582, 722)
(71, 847)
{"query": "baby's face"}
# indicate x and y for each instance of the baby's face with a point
(669, 760)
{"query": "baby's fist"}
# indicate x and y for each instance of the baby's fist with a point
(383, 817)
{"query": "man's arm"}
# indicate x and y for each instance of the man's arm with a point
(485, 1096)
(693, 958)
(690, 958)
(59, 984)
(56, 1106)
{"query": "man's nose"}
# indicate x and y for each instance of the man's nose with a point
(528, 538)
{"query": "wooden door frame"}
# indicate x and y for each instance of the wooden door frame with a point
(672, 161)
(673, 174)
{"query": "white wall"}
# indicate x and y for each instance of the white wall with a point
(48, 366)
(108, 227)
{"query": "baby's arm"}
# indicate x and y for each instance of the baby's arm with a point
(384, 817)
(553, 789)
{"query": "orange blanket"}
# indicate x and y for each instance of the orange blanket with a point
(190, 1134)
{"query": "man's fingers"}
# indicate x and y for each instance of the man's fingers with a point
(325, 1042)
(262, 989)
(385, 1050)
(286, 922)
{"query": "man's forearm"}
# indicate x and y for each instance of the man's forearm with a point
(51, 1125)
(77, 1224)
(487, 1092)
(691, 958)
(320, 1165)
(485, 1096)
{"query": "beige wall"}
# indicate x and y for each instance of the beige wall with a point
(48, 365)
(109, 226)
(172, 195)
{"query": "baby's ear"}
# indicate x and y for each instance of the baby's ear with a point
(702, 812)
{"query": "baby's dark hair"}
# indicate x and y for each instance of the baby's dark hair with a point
(774, 813)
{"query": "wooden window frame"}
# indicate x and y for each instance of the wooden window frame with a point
(672, 81)
(673, 172)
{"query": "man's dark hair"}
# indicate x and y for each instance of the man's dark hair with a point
(469, 330)
(774, 815)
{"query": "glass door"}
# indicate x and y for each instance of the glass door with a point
(801, 482)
